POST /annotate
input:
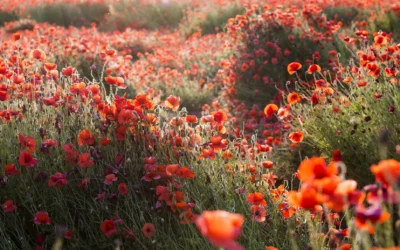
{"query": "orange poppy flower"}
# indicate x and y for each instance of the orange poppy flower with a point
(208, 154)
(256, 199)
(148, 230)
(293, 67)
(16, 36)
(185, 173)
(270, 109)
(191, 119)
(287, 211)
(296, 137)
(171, 169)
(293, 98)
(125, 116)
(348, 79)
(172, 102)
(345, 195)
(307, 198)
(380, 40)
(387, 172)
(85, 138)
(221, 228)
(85, 161)
(315, 168)
(220, 116)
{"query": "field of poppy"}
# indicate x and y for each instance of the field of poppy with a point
(218, 124)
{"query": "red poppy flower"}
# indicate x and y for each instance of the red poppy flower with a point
(85, 161)
(120, 133)
(42, 217)
(110, 179)
(68, 235)
(68, 71)
(84, 183)
(148, 230)
(27, 142)
(58, 180)
(123, 189)
(9, 206)
(10, 170)
(71, 154)
(26, 159)
(38, 54)
(267, 164)
(108, 227)
(313, 68)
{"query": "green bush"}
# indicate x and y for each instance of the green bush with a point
(132, 14)
(213, 22)
(6, 17)
(265, 48)
(65, 14)
(347, 15)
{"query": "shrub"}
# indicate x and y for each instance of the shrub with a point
(65, 14)
(138, 15)
(6, 16)
(209, 21)
(266, 45)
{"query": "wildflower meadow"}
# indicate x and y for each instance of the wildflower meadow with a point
(216, 124)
